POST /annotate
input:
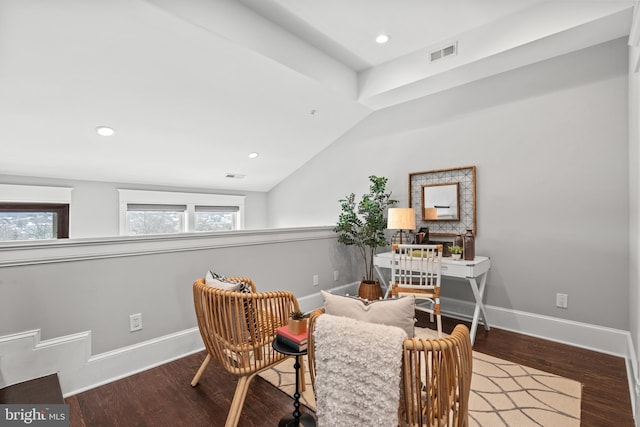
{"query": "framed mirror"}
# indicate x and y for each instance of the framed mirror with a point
(444, 200)
(440, 202)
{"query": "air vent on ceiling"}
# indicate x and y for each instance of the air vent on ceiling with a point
(448, 50)
(234, 175)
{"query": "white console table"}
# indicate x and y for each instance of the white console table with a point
(475, 272)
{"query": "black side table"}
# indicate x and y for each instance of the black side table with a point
(296, 418)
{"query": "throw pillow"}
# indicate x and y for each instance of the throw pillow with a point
(398, 312)
(219, 281)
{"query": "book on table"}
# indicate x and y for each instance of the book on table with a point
(296, 338)
(295, 341)
(294, 346)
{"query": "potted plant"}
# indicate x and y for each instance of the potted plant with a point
(363, 225)
(456, 252)
(297, 322)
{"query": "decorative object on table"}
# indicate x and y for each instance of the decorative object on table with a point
(297, 322)
(401, 219)
(297, 341)
(363, 225)
(424, 196)
(456, 252)
(422, 236)
(469, 248)
(459, 240)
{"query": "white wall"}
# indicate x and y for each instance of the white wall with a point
(634, 202)
(550, 144)
(94, 209)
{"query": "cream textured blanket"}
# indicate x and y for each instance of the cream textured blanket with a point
(357, 372)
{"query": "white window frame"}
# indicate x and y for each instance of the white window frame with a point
(190, 200)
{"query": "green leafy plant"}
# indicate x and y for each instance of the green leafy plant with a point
(363, 224)
(455, 250)
(296, 315)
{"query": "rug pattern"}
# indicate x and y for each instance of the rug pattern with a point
(502, 393)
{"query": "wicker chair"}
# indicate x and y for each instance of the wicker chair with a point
(237, 329)
(436, 378)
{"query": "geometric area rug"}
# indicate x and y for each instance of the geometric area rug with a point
(502, 393)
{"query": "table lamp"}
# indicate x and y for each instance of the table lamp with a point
(401, 219)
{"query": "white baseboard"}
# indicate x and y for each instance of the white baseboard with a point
(24, 356)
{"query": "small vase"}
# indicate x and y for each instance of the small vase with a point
(469, 248)
(455, 256)
(297, 326)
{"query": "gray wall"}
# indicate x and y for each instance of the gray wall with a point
(64, 298)
(94, 210)
(550, 143)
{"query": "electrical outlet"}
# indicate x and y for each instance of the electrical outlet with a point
(562, 300)
(315, 280)
(135, 322)
(336, 275)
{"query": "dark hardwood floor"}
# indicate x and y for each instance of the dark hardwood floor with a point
(162, 396)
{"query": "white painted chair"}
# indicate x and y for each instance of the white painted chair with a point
(415, 270)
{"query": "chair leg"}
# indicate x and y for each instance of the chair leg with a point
(198, 374)
(439, 319)
(301, 376)
(238, 400)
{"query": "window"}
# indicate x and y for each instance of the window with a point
(216, 218)
(160, 212)
(155, 219)
(33, 221)
(29, 212)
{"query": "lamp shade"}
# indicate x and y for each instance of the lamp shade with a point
(401, 219)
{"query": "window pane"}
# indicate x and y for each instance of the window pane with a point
(215, 221)
(155, 222)
(28, 225)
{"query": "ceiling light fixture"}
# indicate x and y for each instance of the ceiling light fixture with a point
(253, 155)
(105, 131)
(382, 38)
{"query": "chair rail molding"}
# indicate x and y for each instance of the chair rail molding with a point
(54, 251)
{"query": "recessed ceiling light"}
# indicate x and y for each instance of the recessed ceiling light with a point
(104, 131)
(253, 155)
(382, 39)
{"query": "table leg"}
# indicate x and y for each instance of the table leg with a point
(297, 419)
(478, 293)
(382, 281)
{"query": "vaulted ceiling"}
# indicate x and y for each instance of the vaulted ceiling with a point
(191, 87)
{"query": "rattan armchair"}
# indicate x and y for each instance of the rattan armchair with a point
(237, 329)
(436, 378)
